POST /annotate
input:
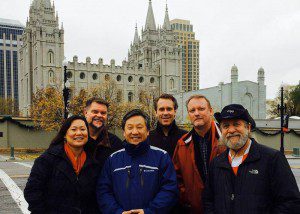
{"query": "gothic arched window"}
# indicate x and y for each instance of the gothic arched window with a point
(51, 77)
(171, 83)
(51, 57)
(130, 96)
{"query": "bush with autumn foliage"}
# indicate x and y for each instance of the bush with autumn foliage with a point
(47, 108)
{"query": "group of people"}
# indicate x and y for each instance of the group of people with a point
(217, 167)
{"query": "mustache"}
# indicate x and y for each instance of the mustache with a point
(233, 135)
(98, 118)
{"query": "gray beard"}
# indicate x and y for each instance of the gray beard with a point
(242, 141)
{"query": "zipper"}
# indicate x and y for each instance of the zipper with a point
(128, 178)
(141, 176)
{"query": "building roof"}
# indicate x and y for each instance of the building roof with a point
(11, 22)
(150, 22)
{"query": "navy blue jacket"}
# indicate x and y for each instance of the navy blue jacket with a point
(264, 185)
(137, 177)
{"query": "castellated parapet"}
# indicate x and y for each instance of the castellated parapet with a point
(87, 75)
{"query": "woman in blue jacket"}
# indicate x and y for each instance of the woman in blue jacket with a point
(139, 178)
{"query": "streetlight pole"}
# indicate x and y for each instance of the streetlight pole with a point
(281, 108)
(66, 90)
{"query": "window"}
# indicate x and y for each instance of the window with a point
(130, 96)
(15, 75)
(82, 75)
(171, 83)
(119, 78)
(51, 77)
(8, 73)
(130, 79)
(51, 57)
(2, 73)
(152, 80)
(69, 75)
(141, 79)
(95, 76)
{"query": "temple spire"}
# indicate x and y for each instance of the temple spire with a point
(150, 22)
(167, 25)
(136, 35)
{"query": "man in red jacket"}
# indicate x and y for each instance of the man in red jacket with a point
(194, 151)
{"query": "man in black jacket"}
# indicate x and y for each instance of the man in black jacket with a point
(101, 143)
(248, 177)
(167, 133)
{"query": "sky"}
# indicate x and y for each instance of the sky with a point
(248, 33)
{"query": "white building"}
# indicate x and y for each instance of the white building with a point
(250, 94)
(41, 54)
(154, 59)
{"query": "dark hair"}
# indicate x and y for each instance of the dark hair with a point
(96, 100)
(59, 138)
(167, 97)
(136, 112)
(197, 96)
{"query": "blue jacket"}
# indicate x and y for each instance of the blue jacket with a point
(137, 177)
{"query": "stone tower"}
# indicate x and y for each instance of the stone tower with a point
(234, 84)
(261, 93)
(156, 53)
(42, 52)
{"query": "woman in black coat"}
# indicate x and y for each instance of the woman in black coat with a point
(63, 178)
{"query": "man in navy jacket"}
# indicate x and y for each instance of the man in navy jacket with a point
(139, 178)
(248, 178)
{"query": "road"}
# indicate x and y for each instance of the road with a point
(14, 175)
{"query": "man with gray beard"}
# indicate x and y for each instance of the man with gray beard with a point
(101, 143)
(249, 177)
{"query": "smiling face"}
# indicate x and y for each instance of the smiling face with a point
(235, 133)
(165, 112)
(96, 115)
(77, 134)
(135, 130)
(200, 113)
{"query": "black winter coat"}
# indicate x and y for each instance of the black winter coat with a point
(167, 143)
(102, 152)
(54, 187)
(264, 184)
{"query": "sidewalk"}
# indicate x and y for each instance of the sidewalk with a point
(291, 157)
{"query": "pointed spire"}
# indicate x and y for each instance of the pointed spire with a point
(150, 22)
(167, 25)
(136, 36)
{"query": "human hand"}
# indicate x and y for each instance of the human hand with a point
(138, 211)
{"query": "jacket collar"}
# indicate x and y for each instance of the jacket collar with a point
(254, 155)
(172, 128)
(214, 128)
(137, 150)
(65, 166)
(103, 138)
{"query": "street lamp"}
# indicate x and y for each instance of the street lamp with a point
(282, 109)
(66, 90)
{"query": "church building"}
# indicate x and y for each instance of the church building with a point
(153, 61)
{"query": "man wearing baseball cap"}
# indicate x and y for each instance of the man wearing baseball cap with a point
(248, 177)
